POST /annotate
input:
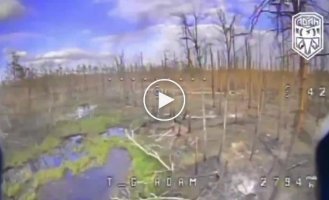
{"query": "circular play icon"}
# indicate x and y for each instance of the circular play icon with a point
(162, 98)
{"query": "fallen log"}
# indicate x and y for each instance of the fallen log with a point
(149, 152)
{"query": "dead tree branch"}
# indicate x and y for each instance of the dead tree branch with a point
(149, 152)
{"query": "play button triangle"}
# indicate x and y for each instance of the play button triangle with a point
(164, 100)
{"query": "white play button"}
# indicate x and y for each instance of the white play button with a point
(155, 100)
(164, 100)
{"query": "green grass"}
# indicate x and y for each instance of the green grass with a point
(44, 176)
(20, 157)
(80, 166)
(31, 196)
(144, 167)
(90, 126)
(98, 149)
(12, 189)
(49, 143)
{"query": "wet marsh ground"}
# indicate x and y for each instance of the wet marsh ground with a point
(38, 128)
(240, 177)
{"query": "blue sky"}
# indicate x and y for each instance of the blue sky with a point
(60, 24)
(62, 31)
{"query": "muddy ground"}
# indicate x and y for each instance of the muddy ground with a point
(234, 175)
(268, 175)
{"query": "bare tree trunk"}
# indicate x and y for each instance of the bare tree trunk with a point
(282, 89)
(85, 80)
(234, 50)
(282, 101)
(205, 137)
(29, 95)
(103, 83)
(236, 109)
(248, 63)
(221, 147)
(186, 40)
(142, 60)
(189, 126)
(259, 121)
(196, 39)
(133, 82)
(320, 79)
(218, 71)
(196, 156)
(142, 88)
(302, 95)
(212, 78)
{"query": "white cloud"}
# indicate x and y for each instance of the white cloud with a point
(7, 51)
(159, 11)
(21, 53)
(72, 53)
(162, 27)
(155, 40)
(163, 35)
(152, 41)
(10, 8)
(68, 57)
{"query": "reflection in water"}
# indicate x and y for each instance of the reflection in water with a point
(92, 184)
(67, 152)
(114, 132)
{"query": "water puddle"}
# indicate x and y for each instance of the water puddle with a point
(93, 183)
(114, 132)
(69, 151)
